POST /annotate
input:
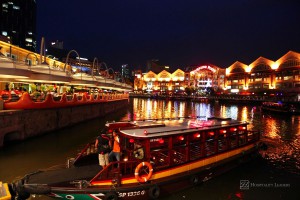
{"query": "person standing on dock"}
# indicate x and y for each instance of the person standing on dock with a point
(116, 148)
(103, 146)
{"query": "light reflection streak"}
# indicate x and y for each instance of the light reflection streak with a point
(232, 112)
(244, 114)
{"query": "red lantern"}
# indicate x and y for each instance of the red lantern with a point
(211, 133)
(233, 129)
(223, 131)
(197, 135)
(181, 138)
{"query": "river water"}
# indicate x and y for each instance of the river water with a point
(274, 175)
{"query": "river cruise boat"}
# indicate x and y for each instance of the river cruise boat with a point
(280, 108)
(157, 158)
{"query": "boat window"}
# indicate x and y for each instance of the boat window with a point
(222, 142)
(178, 155)
(179, 140)
(195, 137)
(233, 139)
(210, 143)
(160, 154)
(159, 143)
(138, 149)
(242, 139)
(160, 158)
(132, 147)
(196, 145)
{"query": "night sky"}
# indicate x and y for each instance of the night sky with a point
(176, 32)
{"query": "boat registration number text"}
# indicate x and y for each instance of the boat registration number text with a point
(131, 194)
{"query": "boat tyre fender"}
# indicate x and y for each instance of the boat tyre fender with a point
(20, 193)
(154, 192)
(111, 196)
(143, 179)
(195, 180)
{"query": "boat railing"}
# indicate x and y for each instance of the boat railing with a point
(116, 169)
(88, 149)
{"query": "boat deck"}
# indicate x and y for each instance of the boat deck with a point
(65, 175)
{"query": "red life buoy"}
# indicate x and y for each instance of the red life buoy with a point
(143, 179)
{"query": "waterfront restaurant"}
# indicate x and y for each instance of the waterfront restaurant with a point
(262, 76)
(23, 70)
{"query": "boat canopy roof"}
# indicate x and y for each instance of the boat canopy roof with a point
(166, 127)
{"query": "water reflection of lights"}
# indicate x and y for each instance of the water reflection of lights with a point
(181, 109)
(271, 128)
(202, 109)
(229, 111)
(149, 109)
(244, 114)
(176, 108)
(233, 112)
(283, 134)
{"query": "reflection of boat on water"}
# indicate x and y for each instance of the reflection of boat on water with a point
(278, 107)
(177, 153)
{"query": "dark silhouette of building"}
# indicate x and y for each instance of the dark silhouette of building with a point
(18, 22)
(155, 66)
(126, 71)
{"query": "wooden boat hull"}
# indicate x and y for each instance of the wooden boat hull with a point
(161, 183)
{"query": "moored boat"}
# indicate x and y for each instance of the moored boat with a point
(280, 108)
(158, 157)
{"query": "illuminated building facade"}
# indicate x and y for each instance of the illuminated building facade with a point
(262, 75)
(18, 23)
(206, 76)
(199, 79)
(265, 75)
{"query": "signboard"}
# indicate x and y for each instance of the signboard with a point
(205, 67)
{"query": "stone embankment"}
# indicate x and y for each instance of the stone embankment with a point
(22, 124)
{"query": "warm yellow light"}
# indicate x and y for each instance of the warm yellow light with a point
(275, 65)
(248, 69)
(227, 71)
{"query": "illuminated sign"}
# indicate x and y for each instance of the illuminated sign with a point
(205, 67)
